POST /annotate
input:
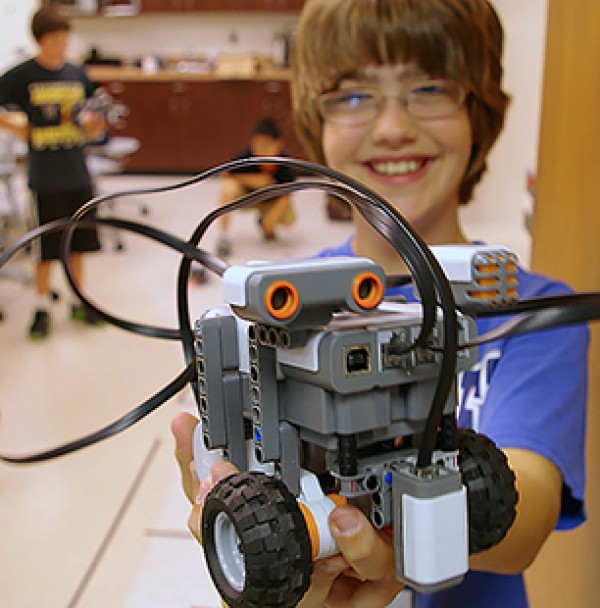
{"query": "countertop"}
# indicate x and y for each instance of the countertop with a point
(131, 74)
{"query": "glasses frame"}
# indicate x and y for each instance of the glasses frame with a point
(379, 97)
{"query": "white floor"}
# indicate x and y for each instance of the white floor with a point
(107, 525)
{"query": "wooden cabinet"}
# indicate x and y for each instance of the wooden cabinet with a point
(188, 126)
(167, 6)
(278, 5)
(175, 6)
(119, 7)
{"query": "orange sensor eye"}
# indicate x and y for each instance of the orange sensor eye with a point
(367, 290)
(281, 300)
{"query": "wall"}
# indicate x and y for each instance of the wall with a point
(496, 215)
(196, 33)
(15, 41)
(165, 34)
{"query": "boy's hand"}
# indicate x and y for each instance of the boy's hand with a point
(362, 575)
(16, 123)
(93, 124)
(183, 427)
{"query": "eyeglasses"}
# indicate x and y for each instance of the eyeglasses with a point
(427, 99)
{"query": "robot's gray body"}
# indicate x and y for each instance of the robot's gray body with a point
(336, 375)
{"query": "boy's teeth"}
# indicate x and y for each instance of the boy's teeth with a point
(401, 167)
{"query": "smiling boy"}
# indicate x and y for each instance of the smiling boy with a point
(406, 96)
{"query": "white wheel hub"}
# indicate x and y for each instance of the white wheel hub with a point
(227, 545)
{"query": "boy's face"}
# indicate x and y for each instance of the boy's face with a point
(415, 163)
(53, 46)
(264, 145)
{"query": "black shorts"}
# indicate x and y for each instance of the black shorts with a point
(55, 205)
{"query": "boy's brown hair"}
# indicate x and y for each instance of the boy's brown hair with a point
(48, 20)
(461, 40)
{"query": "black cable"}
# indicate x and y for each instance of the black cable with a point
(568, 309)
(31, 236)
(141, 229)
(430, 280)
(341, 191)
(403, 240)
(185, 248)
(397, 280)
(589, 300)
(425, 268)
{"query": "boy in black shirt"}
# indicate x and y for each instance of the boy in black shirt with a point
(48, 89)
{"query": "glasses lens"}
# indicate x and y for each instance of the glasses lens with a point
(359, 105)
(434, 99)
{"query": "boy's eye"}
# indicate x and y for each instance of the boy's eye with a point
(429, 88)
(354, 99)
(435, 90)
(349, 104)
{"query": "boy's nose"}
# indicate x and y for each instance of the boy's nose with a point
(394, 126)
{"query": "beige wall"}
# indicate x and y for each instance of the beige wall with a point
(496, 214)
(566, 244)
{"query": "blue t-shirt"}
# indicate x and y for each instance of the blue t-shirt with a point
(525, 392)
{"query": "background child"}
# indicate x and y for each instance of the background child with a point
(47, 89)
(265, 140)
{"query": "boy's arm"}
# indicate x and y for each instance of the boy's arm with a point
(539, 485)
(11, 123)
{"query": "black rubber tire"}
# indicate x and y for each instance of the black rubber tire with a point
(491, 492)
(271, 536)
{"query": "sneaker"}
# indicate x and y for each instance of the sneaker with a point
(40, 328)
(83, 314)
(223, 247)
(268, 235)
(198, 275)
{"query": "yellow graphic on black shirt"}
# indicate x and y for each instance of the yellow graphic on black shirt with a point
(56, 101)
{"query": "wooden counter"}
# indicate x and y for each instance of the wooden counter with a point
(187, 122)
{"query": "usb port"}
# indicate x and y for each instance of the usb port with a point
(357, 360)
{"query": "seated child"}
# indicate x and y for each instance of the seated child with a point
(266, 140)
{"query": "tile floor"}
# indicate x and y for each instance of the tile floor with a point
(107, 526)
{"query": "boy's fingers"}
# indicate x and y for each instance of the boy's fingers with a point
(325, 572)
(195, 522)
(369, 552)
(366, 554)
(351, 593)
(221, 469)
(218, 471)
(182, 427)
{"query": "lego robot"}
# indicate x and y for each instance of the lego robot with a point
(315, 387)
